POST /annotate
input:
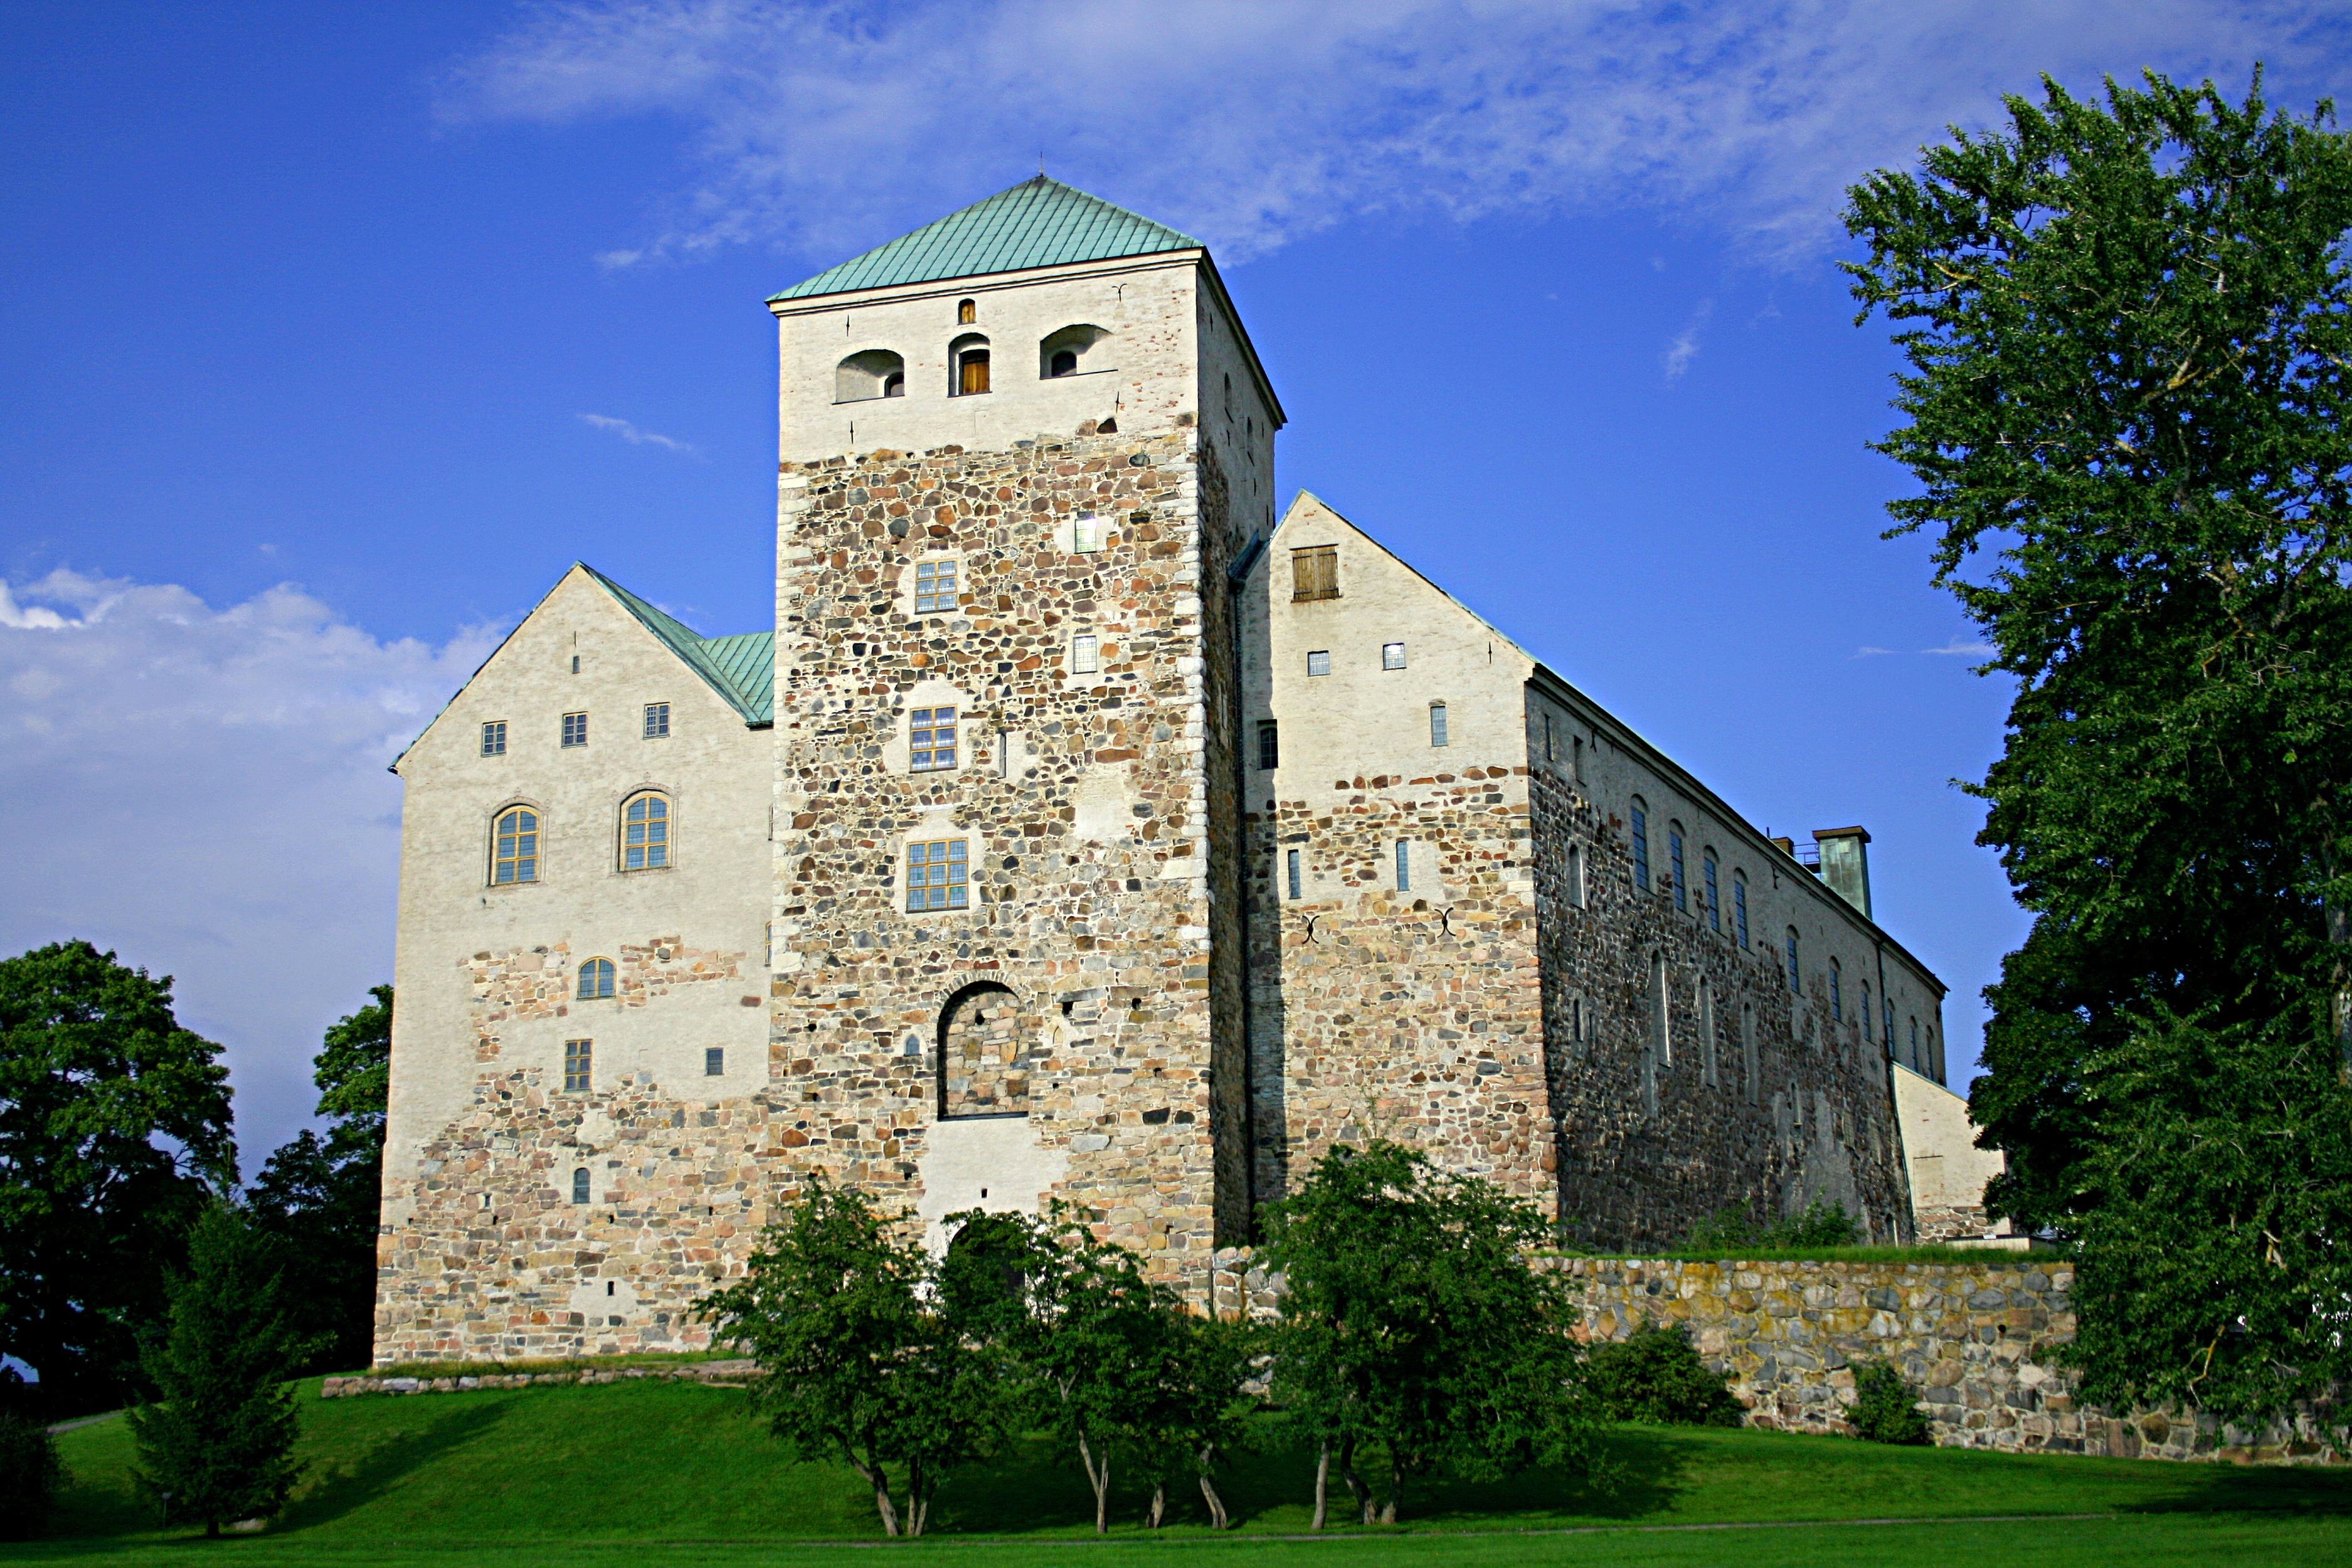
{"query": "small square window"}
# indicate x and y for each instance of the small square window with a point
(656, 721)
(932, 737)
(575, 728)
(1269, 744)
(1392, 655)
(1319, 662)
(935, 587)
(1086, 658)
(936, 878)
(493, 739)
(576, 1065)
(714, 1061)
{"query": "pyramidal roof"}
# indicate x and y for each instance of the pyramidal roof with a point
(1037, 223)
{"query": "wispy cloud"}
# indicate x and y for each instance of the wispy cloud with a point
(1871, 652)
(211, 802)
(1252, 123)
(634, 436)
(1959, 649)
(1684, 346)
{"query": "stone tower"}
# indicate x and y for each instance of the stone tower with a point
(1022, 452)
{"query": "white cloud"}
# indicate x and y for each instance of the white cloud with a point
(1871, 652)
(1684, 346)
(204, 792)
(1959, 649)
(633, 436)
(1251, 122)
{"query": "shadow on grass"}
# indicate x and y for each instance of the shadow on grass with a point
(335, 1491)
(2220, 1487)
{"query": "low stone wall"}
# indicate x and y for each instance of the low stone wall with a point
(722, 1373)
(1975, 1339)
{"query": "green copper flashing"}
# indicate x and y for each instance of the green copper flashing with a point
(740, 669)
(1037, 223)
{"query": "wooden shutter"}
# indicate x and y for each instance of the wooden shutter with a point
(1315, 572)
(975, 370)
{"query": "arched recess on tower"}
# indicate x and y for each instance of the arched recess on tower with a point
(987, 1044)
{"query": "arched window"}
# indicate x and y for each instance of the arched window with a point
(968, 365)
(1739, 907)
(1796, 976)
(1887, 1014)
(967, 312)
(1714, 901)
(645, 832)
(1662, 1035)
(514, 847)
(1865, 1012)
(580, 1184)
(1674, 865)
(984, 1050)
(1915, 1044)
(876, 372)
(1837, 994)
(1641, 845)
(1073, 351)
(596, 980)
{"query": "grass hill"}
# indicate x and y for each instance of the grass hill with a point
(678, 1472)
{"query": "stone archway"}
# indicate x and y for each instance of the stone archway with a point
(985, 1045)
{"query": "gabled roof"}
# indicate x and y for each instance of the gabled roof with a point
(1037, 223)
(741, 668)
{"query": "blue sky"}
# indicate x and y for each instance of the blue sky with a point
(329, 335)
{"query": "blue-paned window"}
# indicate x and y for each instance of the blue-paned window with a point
(933, 737)
(595, 981)
(1674, 866)
(1739, 907)
(936, 875)
(1714, 904)
(576, 1055)
(1641, 848)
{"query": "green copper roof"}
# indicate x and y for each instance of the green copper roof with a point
(740, 669)
(1037, 223)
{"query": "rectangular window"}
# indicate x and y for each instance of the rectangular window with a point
(1546, 737)
(1084, 658)
(1576, 875)
(1085, 535)
(1392, 655)
(1297, 888)
(1675, 868)
(1437, 723)
(1796, 980)
(1865, 1012)
(935, 876)
(1740, 910)
(656, 721)
(575, 728)
(1269, 744)
(1837, 1000)
(493, 739)
(1404, 867)
(935, 587)
(1713, 902)
(576, 1065)
(1315, 574)
(714, 1061)
(1641, 849)
(1319, 662)
(933, 741)
(1915, 1045)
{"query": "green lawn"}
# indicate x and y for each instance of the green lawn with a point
(659, 1473)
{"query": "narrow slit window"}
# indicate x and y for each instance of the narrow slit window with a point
(514, 855)
(656, 721)
(580, 1184)
(1546, 718)
(1739, 907)
(1674, 866)
(1837, 993)
(1269, 744)
(1437, 724)
(575, 728)
(1086, 658)
(1888, 1012)
(1576, 875)
(577, 1061)
(1319, 662)
(933, 741)
(493, 739)
(935, 587)
(1714, 904)
(714, 1061)
(1297, 884)
(1915, 1045)
(1865, 1012)
(1641, 845)
(644, 833)
(936, 875)
(1796, 974)
(1403, 866)
(1315, 574)
(1392, 655)
(596, 980)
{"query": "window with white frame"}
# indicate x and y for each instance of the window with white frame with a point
(494, 738)
(1319, 662)
(656, 721)
(1085, 656)
(575, 728)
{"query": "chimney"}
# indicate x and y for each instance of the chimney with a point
(1845, 864)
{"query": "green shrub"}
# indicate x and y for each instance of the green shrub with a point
(1887, 1411)
(1730, 1230)
(29, 1475)
(1657, 1376)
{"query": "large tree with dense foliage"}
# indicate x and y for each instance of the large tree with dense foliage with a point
(113, 1121)
(322, 1195)
(1414, 1330)
(2128, 326)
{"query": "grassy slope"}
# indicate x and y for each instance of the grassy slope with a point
(447, 1475)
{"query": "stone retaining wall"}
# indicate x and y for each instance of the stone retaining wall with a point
(1975, 1339)
(718, 1374)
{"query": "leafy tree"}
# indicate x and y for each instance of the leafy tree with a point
(1655, 1375)
(219, 1444)
(112, 1119)
(1886, 1410)
(323, 1195)
(1200, 1417)
(30, 1470)
(1413, 1326)
(859, 1358)
(2129, 327)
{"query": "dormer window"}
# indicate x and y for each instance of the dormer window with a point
(967, 312)
(968, 365)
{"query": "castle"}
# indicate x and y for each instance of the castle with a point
(1081, 831)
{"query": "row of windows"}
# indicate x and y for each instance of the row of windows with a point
(643, 846)
(1295, 872)
(580, 1055)
(575, 730)
(1319, 662)
(882, 372)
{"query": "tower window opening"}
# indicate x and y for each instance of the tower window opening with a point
(1297, 881)
(1641, 845)
(1064, 362)
(968, 365)
(1837, 993)
(1740, 907)
(1404, 866)
(936, 875)
(1674, 865)
(967, 312)
(1269, 744)
(577, 1055)
(935, 587)
(874, 373)
(1437, 731)
(931, 740)
(1714, 905)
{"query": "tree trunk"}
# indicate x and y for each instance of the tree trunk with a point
(1209, 1491)
(918, 1501)
(1097, 1478)
(1322, 1483)
(1159, 1504)
(1396, 1484)
(874, 1476)
(1356, 1487)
